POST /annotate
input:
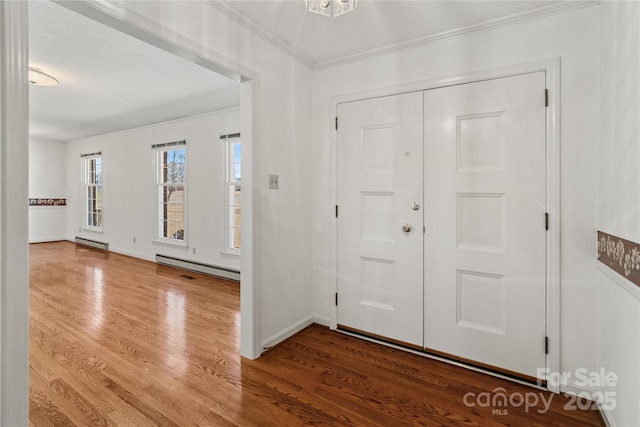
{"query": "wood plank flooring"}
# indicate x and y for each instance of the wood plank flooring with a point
(117, 341)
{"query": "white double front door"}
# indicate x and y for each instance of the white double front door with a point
(441, 226)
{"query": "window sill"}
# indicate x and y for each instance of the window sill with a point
(95, 230)
(232, 255)
(171, 242)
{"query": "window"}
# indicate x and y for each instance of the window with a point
(234, 189)
(92, 181)
(171, 190)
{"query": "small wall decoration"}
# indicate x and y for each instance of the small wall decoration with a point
(47, 202)
(622, 256)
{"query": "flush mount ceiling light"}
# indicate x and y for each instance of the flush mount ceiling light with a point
(37, 77)
(330, 7)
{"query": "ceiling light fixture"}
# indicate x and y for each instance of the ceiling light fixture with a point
(37, 77)
(330, 7)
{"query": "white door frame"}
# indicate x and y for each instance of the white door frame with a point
(14, 184)
(551, 67)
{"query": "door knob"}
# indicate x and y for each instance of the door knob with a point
(406, 228)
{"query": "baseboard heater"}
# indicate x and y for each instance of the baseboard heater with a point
(211, 270)
(92, 243)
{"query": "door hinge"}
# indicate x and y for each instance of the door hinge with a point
(336, 298)
(546, 344)
(336, 211)
(546, 221)
(336, 123)
(546, 98)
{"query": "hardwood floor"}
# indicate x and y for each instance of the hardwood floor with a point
(119, 341)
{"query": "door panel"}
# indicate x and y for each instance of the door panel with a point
(485, 241)
(380, 155)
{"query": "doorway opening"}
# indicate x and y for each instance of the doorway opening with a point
(241, 92)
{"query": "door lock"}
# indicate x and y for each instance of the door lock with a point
(415, 206)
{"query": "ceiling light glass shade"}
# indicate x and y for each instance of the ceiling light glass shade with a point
(38, 77)
(343, 6)
(319, 6)
(330, 7)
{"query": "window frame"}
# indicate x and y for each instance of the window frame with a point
(86, 184)
(229, 228)
(159, 185)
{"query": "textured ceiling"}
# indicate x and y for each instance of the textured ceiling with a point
(110, 81)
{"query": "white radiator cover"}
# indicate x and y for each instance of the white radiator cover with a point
(211, 270)
(92, 243)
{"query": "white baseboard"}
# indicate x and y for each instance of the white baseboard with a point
(133, 254)
(122, 252)
(591, 391)
(322, 320)
(53, 239)
(576, 390)
(286, 333)
(606, 416)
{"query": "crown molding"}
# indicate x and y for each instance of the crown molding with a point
(258, 31)
(517, 18)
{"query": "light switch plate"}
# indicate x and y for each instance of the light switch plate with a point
(274, 182)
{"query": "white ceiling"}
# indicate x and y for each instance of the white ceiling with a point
(109, 81)
(374, 24)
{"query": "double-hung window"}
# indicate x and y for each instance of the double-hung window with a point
(233, 191)
(171, 190)
(92, 182)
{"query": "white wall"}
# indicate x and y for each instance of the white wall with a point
(619, 195)
(288, 220)
(282, 90)
(46, 180)
(573, 37)
(129, 201)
